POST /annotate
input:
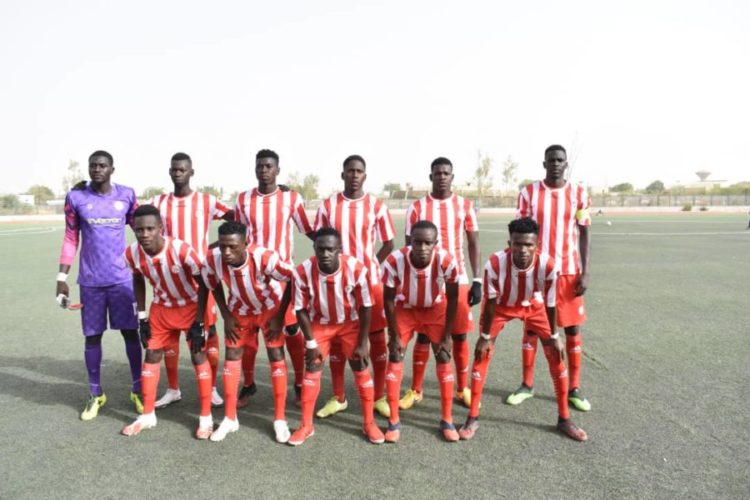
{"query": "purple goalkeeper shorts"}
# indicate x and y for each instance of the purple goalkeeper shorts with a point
(116, 301)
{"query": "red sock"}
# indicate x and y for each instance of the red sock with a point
(573, 350)
(149, 382)
(461, 358)
(295, 344)
(365, 389)
(445, 379)
(393, 378)
(171, 363)
(310, 391)
(278, 386)
(248, 360)
(203, 376)
(559, 379)
(419, 365)
(379, 359)
(478, 377)
(337, 364)
(528, 356)
(231, 380)
(212, 352)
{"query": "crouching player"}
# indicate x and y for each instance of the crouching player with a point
(332, 300)
(174, 270)
(257, 300)
(517, 282)
(420, 295)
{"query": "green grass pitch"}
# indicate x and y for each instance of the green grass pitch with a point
(666, 368)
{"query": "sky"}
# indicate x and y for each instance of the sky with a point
(636, 91)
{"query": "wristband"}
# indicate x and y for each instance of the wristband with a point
(485, 336)
(142, 315)
(477, 280)
(311, 344)
(555, 336)
(62, 277)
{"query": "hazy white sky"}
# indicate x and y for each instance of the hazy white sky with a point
(637, 91)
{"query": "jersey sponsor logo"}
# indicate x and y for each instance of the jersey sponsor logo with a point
(104, 221)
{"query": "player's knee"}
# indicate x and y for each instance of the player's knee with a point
(357, 365)
(93, 340)
(291, 330)
(459, 337)
(422, 339)
(314, 366)
(275, 354)
(212, 330)
(154, 355)
(531, 334)
(395, 357)
(442, 357)
(198, 358)
(572, 330)
(233, 354)
(130, 335)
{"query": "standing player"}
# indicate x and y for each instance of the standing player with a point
(99, 213)
(420, 295)
(518, 283)
(257, 300)
(359, 217)
(268, 212)
(332, 301)
(561, 209)
(174, 270)
(454, 216)
(187, 216)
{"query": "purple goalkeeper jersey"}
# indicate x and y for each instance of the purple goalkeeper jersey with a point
(101, 221)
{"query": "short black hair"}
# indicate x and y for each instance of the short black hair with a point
(555, 147)
(440, 160)
(233, 227)
(354, 158)
(327, 231)
(526, 225)
(182, 157)
(100, 152)
(144, 210)
(425, 224)
(267, 153)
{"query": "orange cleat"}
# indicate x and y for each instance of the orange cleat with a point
(449, 431)
(393, 433)
(373, 433)
(571, 430)
(300, 435)
(468, 430)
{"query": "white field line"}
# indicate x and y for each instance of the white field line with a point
(597, 234)
(28, 230)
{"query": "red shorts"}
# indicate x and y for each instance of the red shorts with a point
(377, 312)
(427, 320)
(464, 322)
(570, 310)
(534, 319)
(167, 323)
(345, 334)
(247, 327)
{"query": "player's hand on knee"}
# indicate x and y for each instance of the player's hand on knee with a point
(230, 331)
(482, 349)
(362, 354)
(395, 349)
(446, 347)
(312, 357)
(475, 293)
(197, 337)
(274, 327)
(144, 332)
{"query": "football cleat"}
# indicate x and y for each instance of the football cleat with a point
(301, 435)
(464, 396)
(373, 433)
(92, 407)
(468, 430)
(520, 395)
(205, 427)
(169, 397)
(578, 401)
(281, 429)
(449, 431)
(141, 423)
(393, 433)
(411, 398)
(137, 401)
(381, 406)
(246, 393)
(332, 407)
(227, 425)
(571, 430)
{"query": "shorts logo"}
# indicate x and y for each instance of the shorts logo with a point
(278, 372)
(382, 357)
(476, 375)
(119, 205)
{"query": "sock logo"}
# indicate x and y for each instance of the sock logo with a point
(391, 376)
(308, 382)
(170, 353)
(476, 375)
(147, 373)
(527, 346)
(564, 374)
(576, 349)
(367, 383)
(213, 350)
(277, 372)
(203, 375)
(447, 378)
(419, 363)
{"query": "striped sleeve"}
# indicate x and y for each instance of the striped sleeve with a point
(300, 216)
(524, 204)
(412, 216)
(210, 277)
(301, 290)
(470, 222)
(450, 269)
(491, 278)
(384, 223)
(218, 208)
(389, 271)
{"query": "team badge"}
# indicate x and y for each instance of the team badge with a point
(89, 206)
(119, 205)
(175, 268)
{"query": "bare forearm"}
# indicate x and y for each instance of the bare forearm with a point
(584, 242)
(385, 250)
(474, 253)
(139, 288)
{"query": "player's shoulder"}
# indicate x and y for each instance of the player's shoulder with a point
(123, 190)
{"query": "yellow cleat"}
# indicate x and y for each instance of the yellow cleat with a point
(137, 402)
(332, 407)
(464, 396)
(92, 407)
(381, 406)
(411, 398)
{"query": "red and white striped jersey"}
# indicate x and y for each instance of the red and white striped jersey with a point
(269, 217)
(453, 217)
(558, 212)
(513, 287)
(419, 287)
(188, 218)
(171, 272)
(254, 287)
(332, 298)
(358, 221)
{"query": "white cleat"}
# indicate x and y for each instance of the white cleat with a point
(141, 423)
(227, 425)
(205, 427)
(216, 400)
(281, 428)
(169, 397)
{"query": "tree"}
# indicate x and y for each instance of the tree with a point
(483, 175)
(218, 192)
(307, 186)
(151, 191)
(623, 187)
(392, 187)
(42, 194)
(525, 183)
(510, 168)
(72, 177)
(655, 187)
